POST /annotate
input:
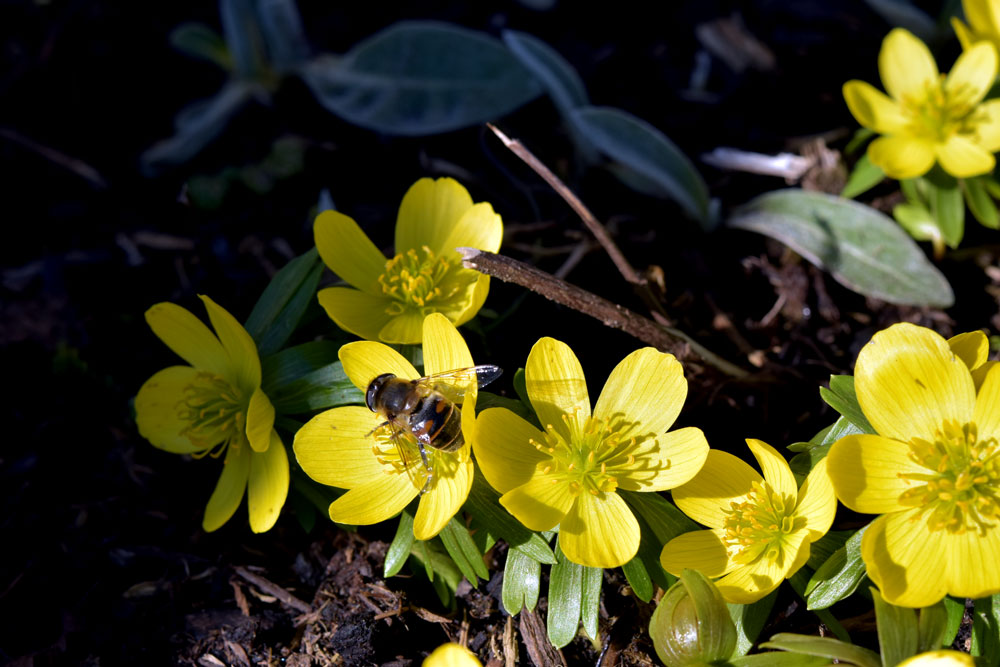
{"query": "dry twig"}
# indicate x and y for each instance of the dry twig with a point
(274, 589)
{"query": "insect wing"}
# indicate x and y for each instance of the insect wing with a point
(416, 470)
(455, 383)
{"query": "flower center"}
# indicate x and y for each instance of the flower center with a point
(400, 455)
(961, 489)
(759, 525)
(591, 461)
(214, 410)
(421, 279)
(939, 114)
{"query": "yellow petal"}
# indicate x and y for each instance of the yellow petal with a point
(158, 414)
(906, 66)
(988, 127)
(973, 74)
(359, 313)
(643, 395)
(599, 531)
(405, 328)
(972, 562)
(229, 489)
(942, 657)
(556, 387)
(973, 348)
(540, 503)
(983, 15)
(908, 382)
(775, 468)
(267, 486)
(444, 347)
(374, 501)
(749, 583)
(477, 298)
(965, 36)
(242, 351)
(987, 412)
(962, 157)
(451, 655)
(903, 156)
(430, 210)
(906, 560)
(701, 550)
(503, 450)
(188, 337)
(873, 109)
(723, 479)
(365, 360)
(817, 501)
(865, 471)
(348, 251)
(979, 375)
(479, 227)
(260, 421)
(335, 447)
(442, 501)
(675, 459)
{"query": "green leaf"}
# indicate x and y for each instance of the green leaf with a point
(463, 551)
(839, 576)
(559, 78)
(824, 647)
(399, 548)
(775, 659)
(842, 397)
(750, 619)
(484, 504)
(197, 125)
(826, 546)
(590, 600)
(319, 495)
(421, 77)
(859, 139)
(199, 41)
(521, 387)
(917, 221)
(441, 570)
(241, 30)
(863, 178)
(521, 582)
(308, 377)
(644, 149)
(861, 248)
(281, 26)
(986, 630)
(638, 578)
(983, 208)
(956, 612)
(665, 520)
(947, 206)
(933, 628)
(283, 302)
(814, 452)
(485, 400)
(565, 600)
(897, 630)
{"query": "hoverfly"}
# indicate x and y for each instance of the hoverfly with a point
(424, 410)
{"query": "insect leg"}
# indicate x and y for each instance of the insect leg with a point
(427, 466)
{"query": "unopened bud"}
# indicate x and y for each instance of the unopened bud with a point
(691, 625)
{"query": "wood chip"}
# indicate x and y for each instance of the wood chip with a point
(274, 589)
(540, 651)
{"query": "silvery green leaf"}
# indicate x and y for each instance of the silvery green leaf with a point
(199, 41)
(242, 33)
(281, 26)
(862, 249)
(421, 77)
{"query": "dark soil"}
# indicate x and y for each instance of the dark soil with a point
(103, 561)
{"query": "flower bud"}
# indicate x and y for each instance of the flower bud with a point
(691, 625)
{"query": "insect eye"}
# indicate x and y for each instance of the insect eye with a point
(374, 387)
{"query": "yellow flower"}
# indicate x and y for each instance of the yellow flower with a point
(216, 406)
(984, 23)
(929, 117)
(568, 475)
(392, 297)
(933, 472)
(940, 658)
(451, 655)
(344, 447)
(760, 528)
